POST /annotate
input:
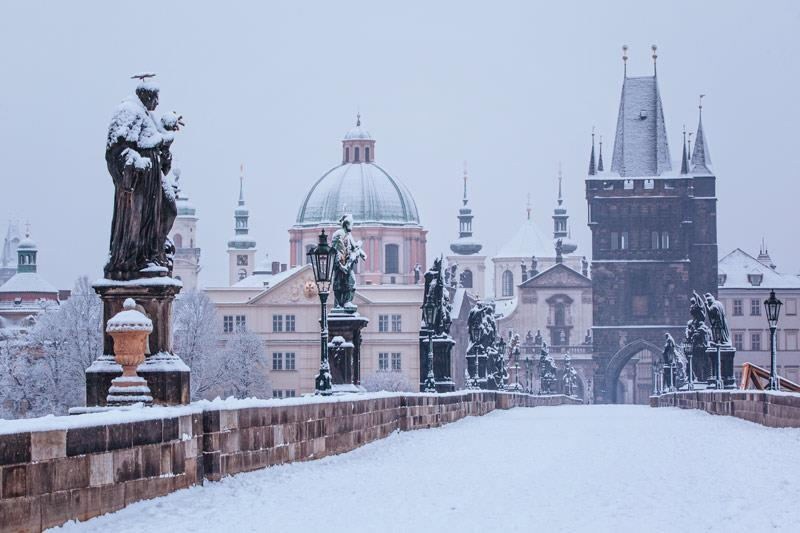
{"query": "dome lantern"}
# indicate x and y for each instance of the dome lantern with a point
(358, 146)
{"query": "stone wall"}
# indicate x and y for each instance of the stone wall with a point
(48, 477)
(773, 409)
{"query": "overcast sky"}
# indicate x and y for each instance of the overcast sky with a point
(511, 87)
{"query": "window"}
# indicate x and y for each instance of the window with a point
(227, 324)
(791, 340)
(623, 240)
(755, 307)
(738, 341)
(347, 154)
(791, 306)
(655, 240)
(392, 259)
(396, 323)
(290, 360)
(289, 393)
(355, 158)
(466, 279)
(277, 361)
(290, 321)
(649, 184)
(755, 279)
(241, 322)
(665, 240)
(277, 323)
(508, 283)
(614, 240)
(383, 323)
(738, 309)
(242, 274)
(755, 342)
(277, 393)
(366, 154)
(241, 260)
(383, 361)
(628, 184)
(396, 362)
(177, 240)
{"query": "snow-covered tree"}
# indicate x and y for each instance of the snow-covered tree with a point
(245, 366)
(194, 326)
(388, 381)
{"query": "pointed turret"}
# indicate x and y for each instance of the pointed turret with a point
(242, 247)
(465, 245)
(701, 157)
(684, 156)
(561, 237)
(592, 167)
(640, 146)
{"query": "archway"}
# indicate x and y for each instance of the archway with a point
(618, 362)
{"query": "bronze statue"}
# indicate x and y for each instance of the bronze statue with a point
(348, 253)
(138, 158)
(436, 294)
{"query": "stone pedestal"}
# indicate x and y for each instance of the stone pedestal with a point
(442, 361)
(346, 364)
(477, 361)
(727, 354)
(166, 374)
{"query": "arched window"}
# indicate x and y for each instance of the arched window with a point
(347, 154)
(242, 274)
(355, 158)
(508, 283)
(466, 279)
(177, 240)
(665, 240)
(366, 154)
(392, 259)
(560, 315)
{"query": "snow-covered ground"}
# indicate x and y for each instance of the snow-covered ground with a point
(571, 468)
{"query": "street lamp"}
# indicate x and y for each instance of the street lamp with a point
(688, 351)
(429, 314)
(528, 364)
(321, 258)
(716, 331)
(773, 308)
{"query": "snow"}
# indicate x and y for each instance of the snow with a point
(163, 362)
(131, 122)
(28, 282)
(141, 282)
(527, 241)
(593, 468)
(129, 319)
(737, 265)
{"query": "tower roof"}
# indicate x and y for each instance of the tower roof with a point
(357, 132)
(640, 145)
(701, 157)
(465, 244)
(527, 241)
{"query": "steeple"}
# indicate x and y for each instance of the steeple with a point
(464, 245)
(701, 157)
(241, 184)
(684, 159)
(600, 158)
(592, 167)
(561, 239)
(241, 216)
(26, 253)
(640, 146)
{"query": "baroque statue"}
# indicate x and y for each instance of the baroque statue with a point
(716, 317)
(348, 254)
(436, 293)
(139, 159)
(547, 371)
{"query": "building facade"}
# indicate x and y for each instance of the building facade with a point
(8, 258)
(653, 238)
(186, 261)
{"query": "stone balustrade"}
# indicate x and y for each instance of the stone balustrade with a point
(78, 467)
(773, 409)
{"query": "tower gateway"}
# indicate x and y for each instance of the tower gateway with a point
(385, 217)
(654, 241)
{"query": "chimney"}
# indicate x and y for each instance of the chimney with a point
(276, 267)
(283, 267)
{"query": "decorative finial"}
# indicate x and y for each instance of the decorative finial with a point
(655, 56)
(600, 159)
(241, 184)
(625, 58)
(528, 206)
(689, 145)
(592, 167)
(27, 229)
(358, 119)
(560, 177)
(465, 183)
(143, 76)
(700, 105)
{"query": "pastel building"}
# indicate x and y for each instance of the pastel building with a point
(186, 262)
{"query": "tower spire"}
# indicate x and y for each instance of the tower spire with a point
(465, 245)
(625, 60)
(241, 184)
(528, 206)
(465, 183)
(560, 177)
(600, 158)
(592, 167)
(701, 158)
(684, 157)
(655, 57)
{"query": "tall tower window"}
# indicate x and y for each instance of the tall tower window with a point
(508, 283)
(347, 154)
(177, 240)
(356, 155)
(366, 154)
(466, 279)
(392, 259)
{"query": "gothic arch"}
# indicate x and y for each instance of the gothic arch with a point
(618, 362)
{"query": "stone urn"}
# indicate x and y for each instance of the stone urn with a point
(130, 330)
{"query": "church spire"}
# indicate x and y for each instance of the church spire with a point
(465, 183)
(600, 158)
(241, 184)
(684, 157)
(701, 158)
(465, 245)
(561, 236)
(592, 167)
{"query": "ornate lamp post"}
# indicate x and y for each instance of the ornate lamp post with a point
(688, 351)
(528, 364)
(717, 334)
(773, 308)
(429, 313)
(321, 258)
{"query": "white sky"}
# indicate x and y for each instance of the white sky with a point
(511, 87)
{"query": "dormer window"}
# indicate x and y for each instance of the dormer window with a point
(642, 114)
(755, 279)
(628, 184)
(721, 279)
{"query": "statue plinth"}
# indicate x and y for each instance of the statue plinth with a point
(166, 374)
(442, 361)
(345, 357)
(477, 366)
(726, 355)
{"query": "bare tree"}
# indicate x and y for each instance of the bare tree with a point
(245, 366)
(387, 381)
(195, 334)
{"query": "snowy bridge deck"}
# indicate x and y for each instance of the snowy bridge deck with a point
(568, 468)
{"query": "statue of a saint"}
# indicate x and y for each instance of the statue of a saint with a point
(138, 158)
(716, 316)
(348, 253)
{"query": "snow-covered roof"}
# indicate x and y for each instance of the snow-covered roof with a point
(505, 307)
(28, 282)
(357, 133)
(527, 241)
(27, 244)
(363, 189)
(264, 280)
(738, 267)
(640, 145)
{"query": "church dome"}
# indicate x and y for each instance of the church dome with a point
(360, 187)
(27, 244)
